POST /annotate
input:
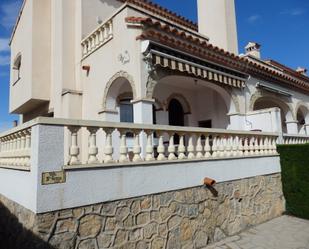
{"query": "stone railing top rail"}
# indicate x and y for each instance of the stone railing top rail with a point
(129, 126)
(295, 135)
(19, 128)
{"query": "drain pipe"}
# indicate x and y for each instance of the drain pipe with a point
(209, 182)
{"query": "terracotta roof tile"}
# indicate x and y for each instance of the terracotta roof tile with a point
(161, 32)
(163, 12)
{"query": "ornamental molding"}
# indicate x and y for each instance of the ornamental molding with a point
(118, 75)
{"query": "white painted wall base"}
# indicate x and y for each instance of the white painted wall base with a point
(90, 186)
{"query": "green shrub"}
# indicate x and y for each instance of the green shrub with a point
(295, 178)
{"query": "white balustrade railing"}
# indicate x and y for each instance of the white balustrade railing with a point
(295, 139)
(162, 143)
(97, 38)
(15, 148)
(105, 143)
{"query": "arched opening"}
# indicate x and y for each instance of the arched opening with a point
(204, 104)
(176, 116)
(302, 118)
(118, 100)
(269, 102)
(176, 113)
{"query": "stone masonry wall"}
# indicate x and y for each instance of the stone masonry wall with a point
(190, 218)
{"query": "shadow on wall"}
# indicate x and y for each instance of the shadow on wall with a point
(14, 236)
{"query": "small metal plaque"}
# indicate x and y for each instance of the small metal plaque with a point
(55, 177)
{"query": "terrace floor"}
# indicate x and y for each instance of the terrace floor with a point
(285, 232)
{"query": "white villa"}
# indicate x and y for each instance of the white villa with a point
(122, 98)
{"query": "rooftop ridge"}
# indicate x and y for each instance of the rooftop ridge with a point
(164, 12)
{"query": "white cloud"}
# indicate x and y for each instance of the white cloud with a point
(4, 45)
(293, 12)
(5, 60)
(254, 18)
(9, 12)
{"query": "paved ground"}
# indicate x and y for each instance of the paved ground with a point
(282, 233)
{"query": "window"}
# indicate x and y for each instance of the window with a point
(205, 124)
(126, 111)
(16, 68)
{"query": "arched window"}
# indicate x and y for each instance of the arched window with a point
(16, 68)
(126, 110)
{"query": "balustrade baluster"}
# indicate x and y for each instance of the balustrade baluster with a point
(228, 147)
(18, 158)
(251, 146)
(28, 147)
(108, 150)
(191, 148)
(101, 35)
(171, 147)
(74, 149)
(234, 146)
(274, 146)
(105, 32)
(181, 147)
(137, 147)
(267, 146)
(93, 43)
(215, 146)
(149, 146)
(246, 147)
(262, 148)
(161, 148)
(23, 148)
(199, 147)
(256, 146)
(220, 146)
(18, 141)
(84, 45)
(240, 146)
(97, 38)
(93, 149)
(110, 29)
(123, 150)
(207, 147)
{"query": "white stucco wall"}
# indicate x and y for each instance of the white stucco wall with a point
(105, 64)
(20, 92)
(106, 184)
(32, 40)
(95, 10)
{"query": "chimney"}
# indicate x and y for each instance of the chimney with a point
(253, 49)
(217, 21)
(301, 70)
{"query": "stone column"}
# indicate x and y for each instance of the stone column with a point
(142, 112)
(307, 129)
(111, 116)
(236, 121)
(292, 127)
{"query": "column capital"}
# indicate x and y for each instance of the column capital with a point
(292, 122)
(146, 100)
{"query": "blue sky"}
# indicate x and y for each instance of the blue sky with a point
(280, 26)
